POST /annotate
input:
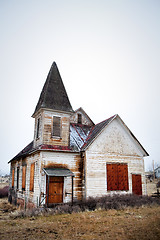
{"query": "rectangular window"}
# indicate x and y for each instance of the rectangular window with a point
(117, 177)
(12, 177)
(32, 178)
(79, 118)
(38, 127)
(24, 177)
(17, 177)
(56, 131)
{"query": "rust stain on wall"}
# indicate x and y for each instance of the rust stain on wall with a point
(55, 165)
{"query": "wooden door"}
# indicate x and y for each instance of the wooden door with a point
(136, 184)
(55, 189)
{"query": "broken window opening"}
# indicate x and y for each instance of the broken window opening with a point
(79, 118)
(17, 178)
(38, 128)
(56, 127)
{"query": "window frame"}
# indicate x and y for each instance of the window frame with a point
(24, 169)
(38, 129)
(17, 178)
(32, 170)
(117, 177)
(56, 123)
(79, 118)
(13, 174)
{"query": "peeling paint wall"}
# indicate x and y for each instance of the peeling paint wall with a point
(26, 194)
(71, 161)
(85, 119)
(113, 145)
(46, 123)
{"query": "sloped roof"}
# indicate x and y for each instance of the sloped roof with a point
(95, 131)
(82, 111)
(58, 172)
(24, 152)
(54, 95)
(81, 136)
(78, 135)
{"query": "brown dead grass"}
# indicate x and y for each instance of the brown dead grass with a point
(131, 223)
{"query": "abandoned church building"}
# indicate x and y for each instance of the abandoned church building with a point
(71, 158)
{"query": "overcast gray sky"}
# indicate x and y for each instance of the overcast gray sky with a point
(108, 56)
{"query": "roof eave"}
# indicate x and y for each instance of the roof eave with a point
(51, 110)
(144, 151)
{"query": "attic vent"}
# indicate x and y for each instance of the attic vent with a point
(56, 132)
(79, 118)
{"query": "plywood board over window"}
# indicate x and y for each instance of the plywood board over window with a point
(12, 177)
(136, 184)
(24, 177)
(117, 177)
(56, 128)
(32, 177)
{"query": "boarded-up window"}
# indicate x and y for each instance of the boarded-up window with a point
(79, 118)
(17, 177)
(117, 177)
(38, 127)
(24, 177)
(136, 184)
(32, 177)
(56, 130)
(12, 177)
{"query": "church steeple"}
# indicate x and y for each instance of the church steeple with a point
(54, 95)
(52, 113)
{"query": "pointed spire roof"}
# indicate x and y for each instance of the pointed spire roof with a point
(54, 95)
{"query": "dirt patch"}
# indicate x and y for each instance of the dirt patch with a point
(132, 223)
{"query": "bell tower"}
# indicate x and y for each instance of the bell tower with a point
(52, 113)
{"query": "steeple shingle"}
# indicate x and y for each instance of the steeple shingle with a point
(54, 95)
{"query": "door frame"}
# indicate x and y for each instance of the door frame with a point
(47, 189)
(134, 176)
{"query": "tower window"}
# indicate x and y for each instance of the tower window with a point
(56, 130)
(38, 128)
(79, 118)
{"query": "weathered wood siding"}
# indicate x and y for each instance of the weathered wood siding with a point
(85, 119)
(39, 140)
(113, 145)
(46, 123)
(72, 161)
(27, 195)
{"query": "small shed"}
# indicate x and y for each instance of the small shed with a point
(157, 172)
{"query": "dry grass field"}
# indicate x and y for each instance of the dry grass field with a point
(130, 223)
